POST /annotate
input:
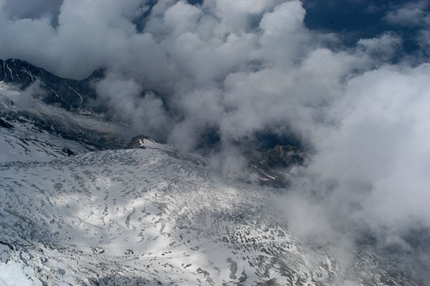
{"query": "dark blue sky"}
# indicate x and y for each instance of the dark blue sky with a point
(355, 19)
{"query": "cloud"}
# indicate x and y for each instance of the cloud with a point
(28, 97)
(381, 139)
(130, 105)
(383, 48)
(21, 9)
(385, 133)
(89, 35)
(409, 14)
(369, 171)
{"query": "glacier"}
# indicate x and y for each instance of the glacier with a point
(143, 214)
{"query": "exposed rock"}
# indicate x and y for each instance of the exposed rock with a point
(136, 142)
(5, 124)
(68, 152)
(282, 157)
(69, 94)
(270, 165)
(68, 130)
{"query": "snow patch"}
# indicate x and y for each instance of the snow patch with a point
(16, 274)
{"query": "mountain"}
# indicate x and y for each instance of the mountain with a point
(67, 93)
(50, 114)
(141, 215)
(79, 208)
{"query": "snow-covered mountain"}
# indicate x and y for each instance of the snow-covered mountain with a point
(76, 209)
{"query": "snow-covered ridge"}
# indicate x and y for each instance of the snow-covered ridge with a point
(144, 214)
(40, 132)
(146, 142)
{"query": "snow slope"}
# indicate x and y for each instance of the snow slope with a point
(146, 215)
(42, 132)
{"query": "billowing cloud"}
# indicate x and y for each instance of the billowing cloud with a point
(124, 97)
(414, 21)
(369, 171)
(410, 14)
(377, 155)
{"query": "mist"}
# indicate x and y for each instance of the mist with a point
(227, 70)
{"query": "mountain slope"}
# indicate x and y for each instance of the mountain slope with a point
(33, 130)
(144, 214)
(74, 213)
(67, 93)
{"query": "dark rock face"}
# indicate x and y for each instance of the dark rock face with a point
(270, 165)
(68, 152)
(93, 138)
(5, 124)
(135, 142)
(282, 157)
(69, 94)
(72, 95)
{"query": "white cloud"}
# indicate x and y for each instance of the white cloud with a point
(144, 111)
(377, 157)
(409, 14)
(381, 48)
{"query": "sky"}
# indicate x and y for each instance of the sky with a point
(349, 80)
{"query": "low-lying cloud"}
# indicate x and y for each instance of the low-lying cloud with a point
(176, 71)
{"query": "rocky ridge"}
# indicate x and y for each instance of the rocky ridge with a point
(67, 93)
